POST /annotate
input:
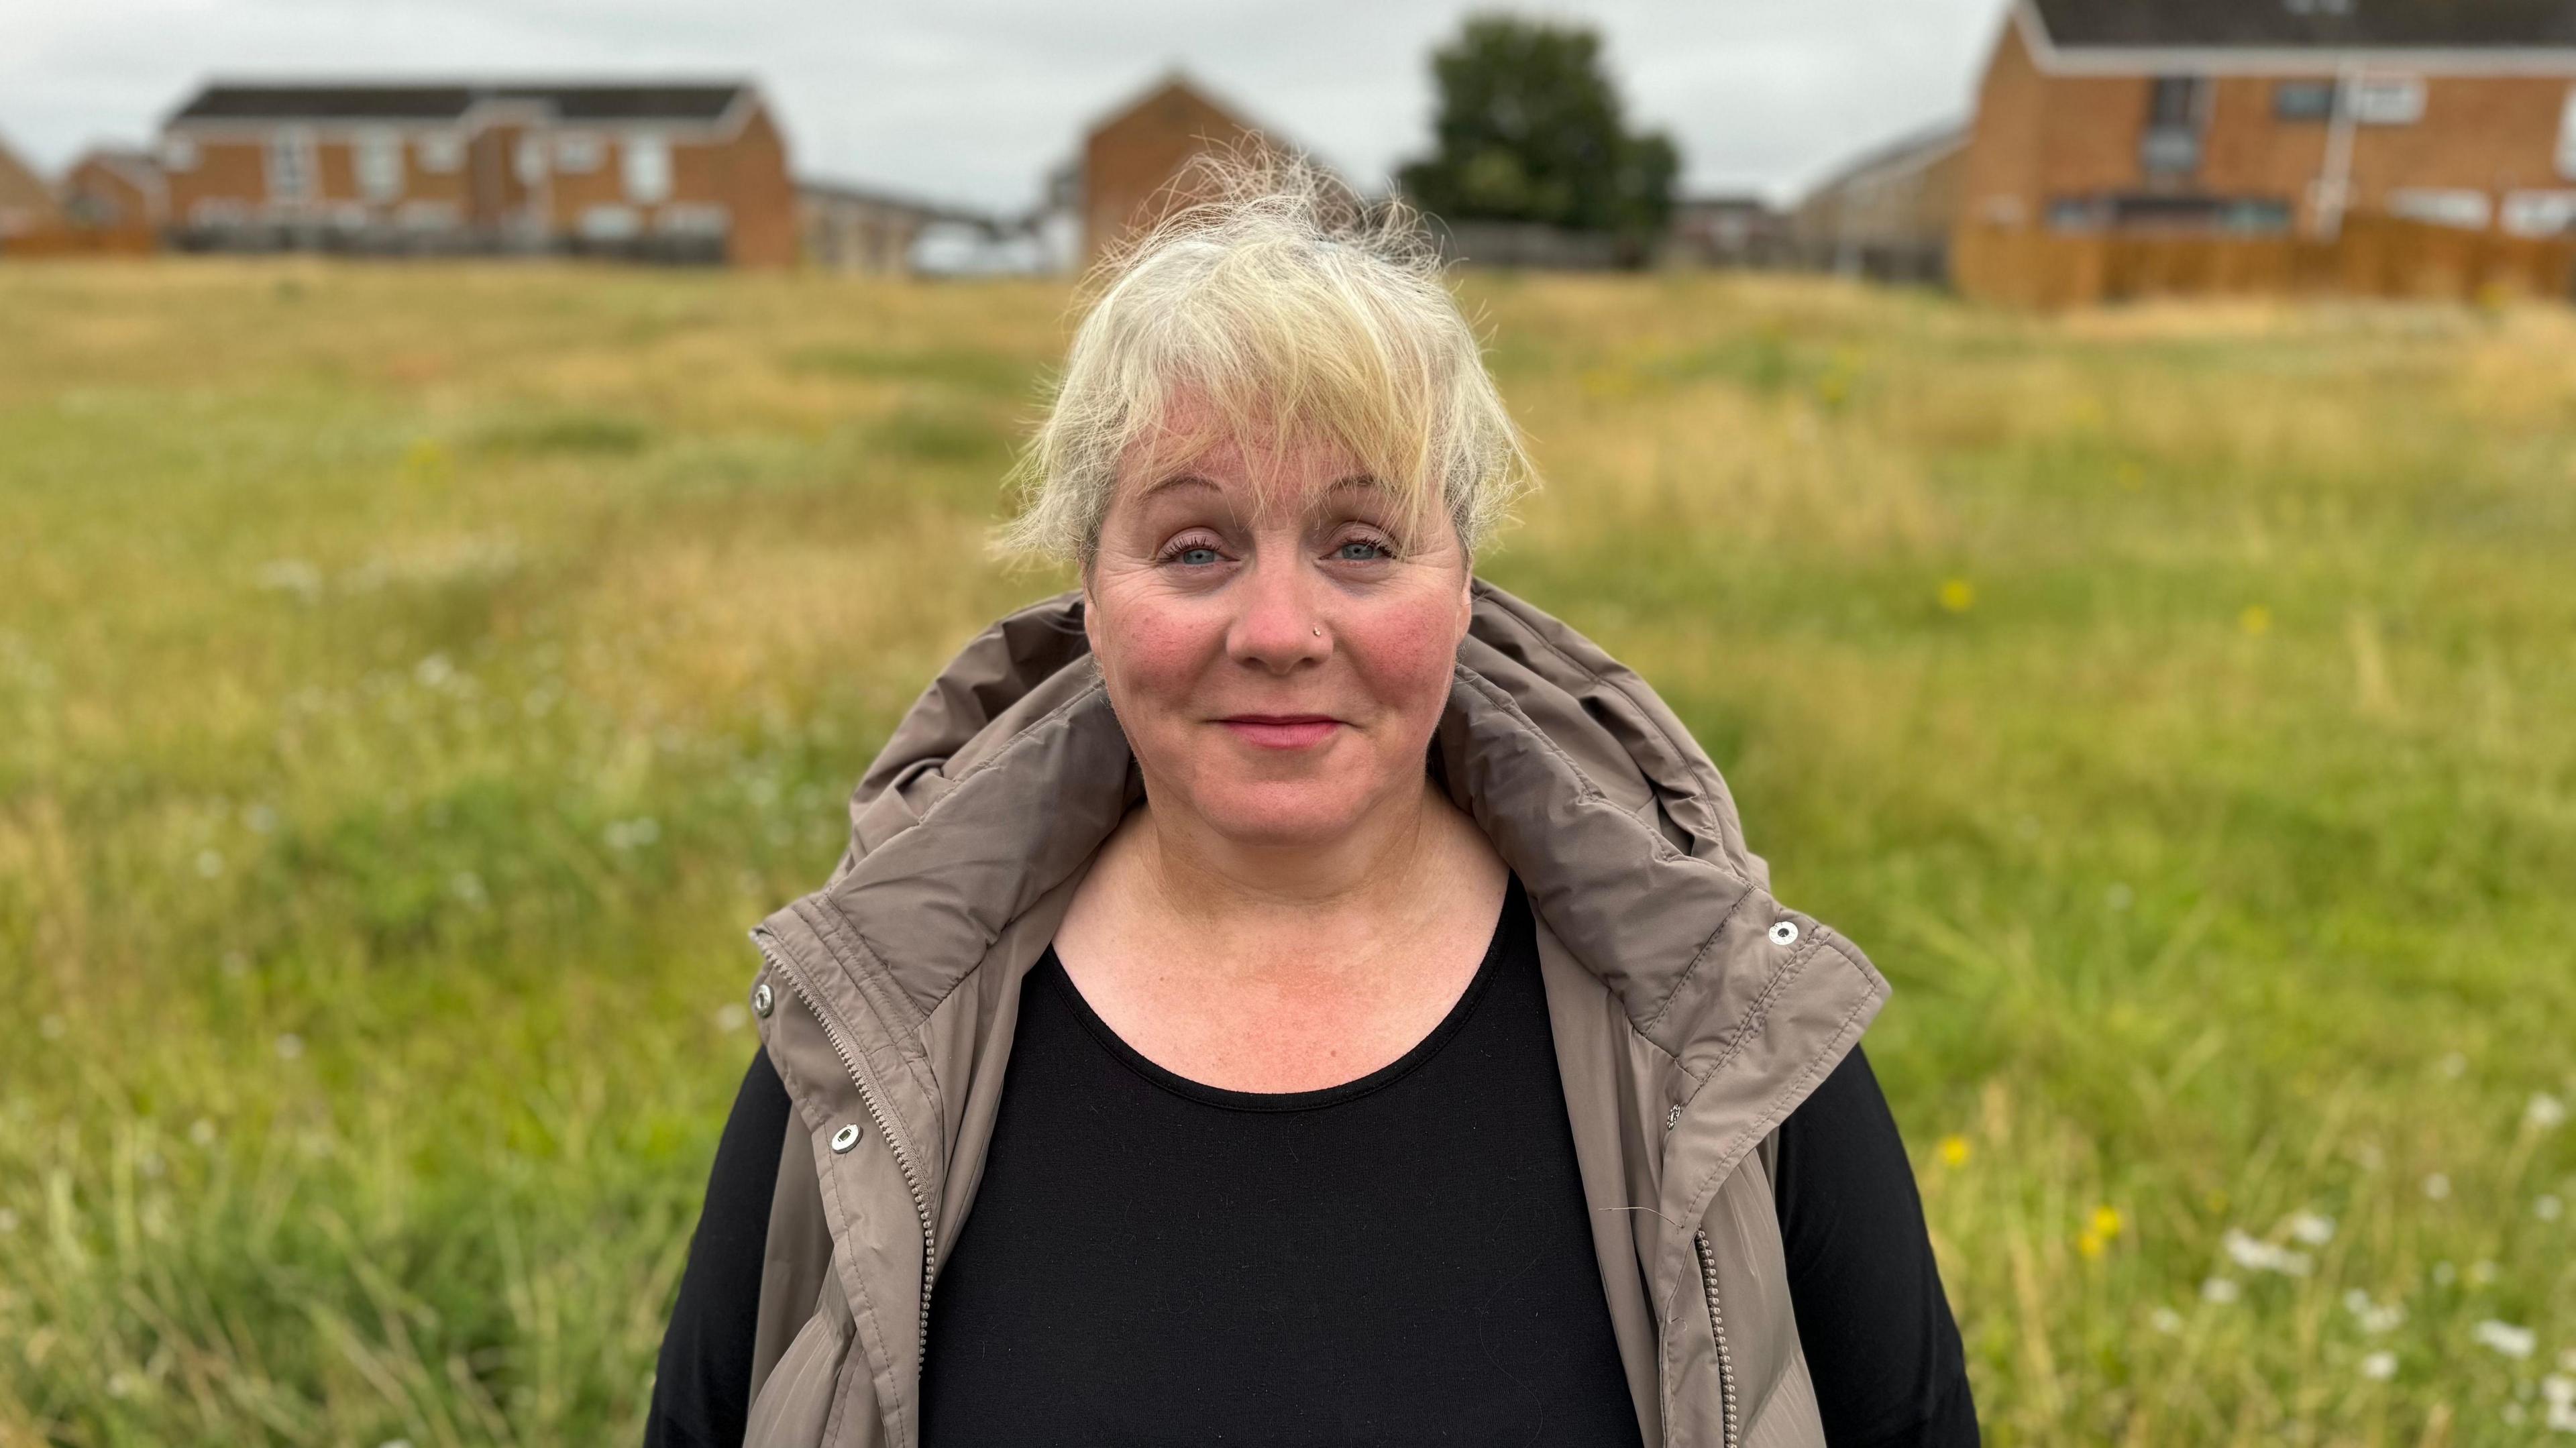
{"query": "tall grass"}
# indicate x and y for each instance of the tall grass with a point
(412, 681)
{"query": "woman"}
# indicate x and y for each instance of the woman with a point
(1341, 992)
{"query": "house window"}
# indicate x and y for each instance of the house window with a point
(290, 165)
(648, 168)
(178, 153)
(2539, 213)
(442, 152)
(2567, 137)
(2177, 109)
(2468, 210)
(2257, 215)
(2388, 100)
(532, 159)
(577, 152)
(611, 223)
(2303, 100)
(379, 164)
(693, 220)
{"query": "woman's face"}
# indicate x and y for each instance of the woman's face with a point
(1278, 675)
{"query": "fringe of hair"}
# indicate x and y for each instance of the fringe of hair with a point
(1270, 305)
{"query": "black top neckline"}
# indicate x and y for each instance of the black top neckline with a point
(1051, 968)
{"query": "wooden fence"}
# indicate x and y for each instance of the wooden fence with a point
(79, 241)
(2375, 256)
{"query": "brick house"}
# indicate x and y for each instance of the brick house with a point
(2283, 117)
(113, 188)
(27, 204)
(678, 172)
(1889, 212)
(1134, 152)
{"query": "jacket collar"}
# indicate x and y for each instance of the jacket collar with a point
(1011, 769)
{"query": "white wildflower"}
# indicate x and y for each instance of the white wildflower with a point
(2165, 1320)
(433, 672)
(260, 819)
(2380, 1366)
(2548, 1207)
(209, 863)
(2218, 1289)
(2437, 1186)
(2481, 1273)
(2504, 1337)
(289, 1046)
(2444, 1274)
(732, 1018)
(2545, 1113)
(2560, 1394)
(2455, 1065)
(50, 1027)
(2373, 1317)
(8, 1221)
(2256, 1255)
(2313, 1228)
(201, 1132)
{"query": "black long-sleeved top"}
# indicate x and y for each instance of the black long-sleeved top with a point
(1151, 1259)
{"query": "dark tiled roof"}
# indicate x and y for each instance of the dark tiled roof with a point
(2302, 24)
(270, 102)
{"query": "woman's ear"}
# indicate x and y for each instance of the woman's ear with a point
(1090, 613)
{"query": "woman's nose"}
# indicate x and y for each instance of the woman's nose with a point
(1280, 622)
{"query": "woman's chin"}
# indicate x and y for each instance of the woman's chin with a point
(1284, 815)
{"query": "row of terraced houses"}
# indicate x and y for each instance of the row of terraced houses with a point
(677, 172)
(2096, 120)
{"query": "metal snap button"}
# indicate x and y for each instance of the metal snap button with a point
(845, 1138)
(1673, 1119)
(762, 1001)
(1785, 933)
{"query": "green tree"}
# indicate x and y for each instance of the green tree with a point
(1530, 129)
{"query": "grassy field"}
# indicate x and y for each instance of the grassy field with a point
(414, 680)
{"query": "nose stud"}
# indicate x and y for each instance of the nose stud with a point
(1319, 632)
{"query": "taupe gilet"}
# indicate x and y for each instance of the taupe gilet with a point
(1691, 1011)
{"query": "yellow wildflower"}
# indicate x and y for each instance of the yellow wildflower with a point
(2256, 619)
(2106, 1222)
(1958, 595)
(1953, 1150)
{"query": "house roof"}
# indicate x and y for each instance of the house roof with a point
(1914, 148)
(264, 101)
(2444, 25)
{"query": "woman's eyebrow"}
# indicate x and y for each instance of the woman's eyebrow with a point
(1177, 480)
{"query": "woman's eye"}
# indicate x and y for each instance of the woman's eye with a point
(1195, 555)
(1367, 550)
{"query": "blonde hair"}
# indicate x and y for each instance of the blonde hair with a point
(1273, 307)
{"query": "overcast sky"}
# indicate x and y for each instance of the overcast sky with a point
(973, 101)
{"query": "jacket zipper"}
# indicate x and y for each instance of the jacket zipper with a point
(876, 1113)
(1728, 1429)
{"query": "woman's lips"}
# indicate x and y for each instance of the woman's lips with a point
(1282, 731)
